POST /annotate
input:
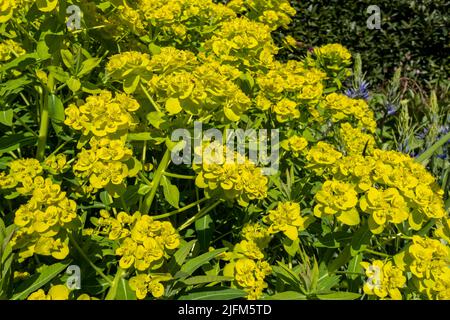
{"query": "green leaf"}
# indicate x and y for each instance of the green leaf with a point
(190, 266)
(14, 141)
(180, 256)
(431, 150)
(291, 246)
(361, 239)
(124, 291)
(39, 280)
(204, 227)
(74, 84)
(218, 293)
(56, 113)
(6, 117)
(340, 295)
(205, 279)
(171, 193)
(333, 240)
(67, 58)
(130, 84)
(354, 267)
(342, 258)
(173, 106)
(88, 65)
(287, 295)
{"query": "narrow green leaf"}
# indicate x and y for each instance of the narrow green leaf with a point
(6, 117)
(180, 256)
(205, 279)
(204, 227)
(340, 295)
(190, 266)
(287, 295)
(171, 192)
(39, 280)
(219, 293)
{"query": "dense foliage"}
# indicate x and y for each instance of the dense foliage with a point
(87, 177)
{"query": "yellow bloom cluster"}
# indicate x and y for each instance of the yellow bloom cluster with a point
(238, 179)
(338, 199)
(393, 188)
(247, 265)
(105, 163)
(103, 114)
(143, 284)
(44, 221)
(384, 279)
(339, 107)
(243, 43)
(10, 49)
(144, 243)
(56, 163)
(295, 145)
(384, 206)
(274, 13)
(180, 82)
(6, 10)
(57, 292)
(186, 20)
(21, 175)
(428, 260)
(321, 156)
(286, 218)
(333, 57)
(355, 141)
(292, 83)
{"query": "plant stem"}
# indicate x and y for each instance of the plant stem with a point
(114, 285)
(377, 253)
(148, 200)
(193, 204)
(149, 97)
(178, 176)
(85, 257)
(198, 215)
(43, 130)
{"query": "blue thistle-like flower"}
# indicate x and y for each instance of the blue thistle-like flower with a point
(391, 109)
(361, 92)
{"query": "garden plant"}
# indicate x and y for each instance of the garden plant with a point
(95, 204)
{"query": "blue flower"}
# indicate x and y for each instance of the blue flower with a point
(391, 109)
(361, 92)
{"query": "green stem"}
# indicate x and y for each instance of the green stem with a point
(148, 200)
(43, 130)
(179, 176)
(115, 284)
(168, 214)
(143, 177)
(431, 150)
(85, 257)
(198, 215)
(149, 97)
(377, 253)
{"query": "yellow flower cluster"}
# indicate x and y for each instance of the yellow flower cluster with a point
(103, 114)
(143, 284)
(144, 242)
(57, 292)
(295, 145)
(333, 57)
(235, 179)
(287, 86)
(128, 65)
(321, 156)
(105, 163)
(44, 221)
(21, 175)
(10, 49)
(6, 10)
(56, 164)
(339, 107)
(243, 43)
(286, 218)
(384, 279)
(393, 188)
(355, 141)
(338, 199)
(274, 13)
(428, 260)
(247, 265)
(185, 20)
